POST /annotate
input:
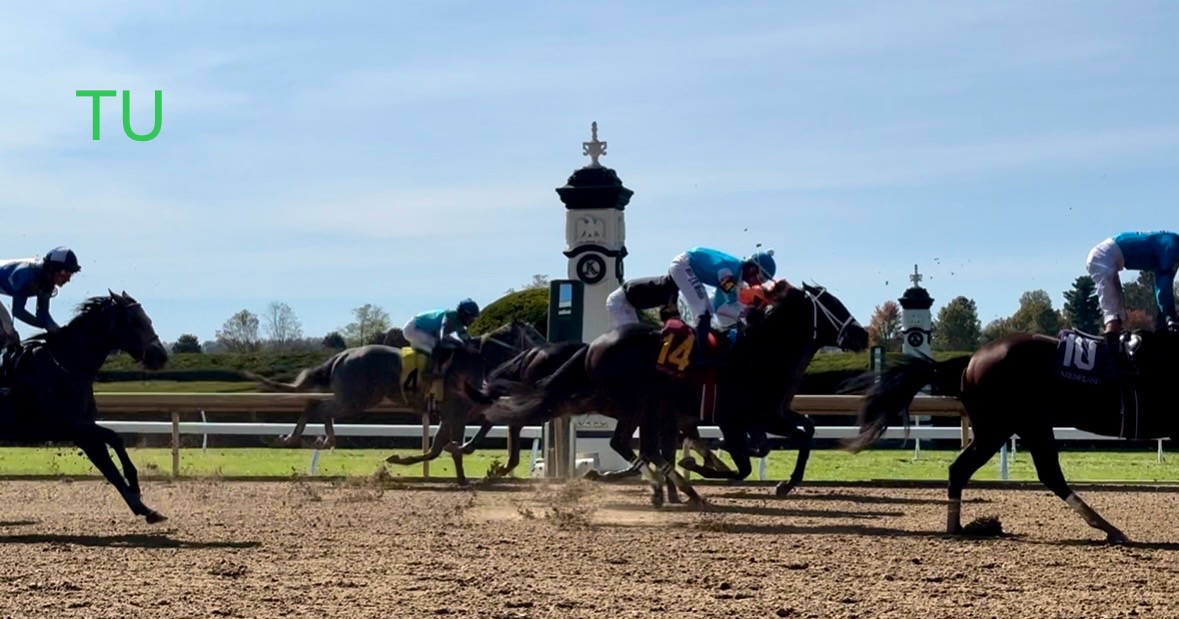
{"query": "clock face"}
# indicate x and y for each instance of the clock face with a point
(916, 339)
(591, 268)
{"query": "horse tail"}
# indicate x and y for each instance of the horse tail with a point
(309, 379)
(890, 398)
(534, 403)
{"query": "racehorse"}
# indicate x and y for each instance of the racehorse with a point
(361, 377)
(1028, 384)
(47, 382)
(618, 375)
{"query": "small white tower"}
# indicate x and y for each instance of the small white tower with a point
(595, 233)
(916, 322)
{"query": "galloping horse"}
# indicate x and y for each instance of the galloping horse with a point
(47, 386)
(618, 375)
(359, 378)
(1027, 384)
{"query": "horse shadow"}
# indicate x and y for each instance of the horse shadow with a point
(862, 499)
(125, 540)
(756, 510)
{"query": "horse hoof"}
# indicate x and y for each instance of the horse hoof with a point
(453, 448)
(783, 489)
(592, 475)
(657, 499)
(393, 459)
(154, 517)
(1117, 537)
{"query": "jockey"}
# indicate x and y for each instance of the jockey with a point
(701, 266)
(730, 314)
(1157, 252)
(442, 328)
(29, 277)
(639, 294)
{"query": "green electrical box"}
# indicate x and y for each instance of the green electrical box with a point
(566, 310)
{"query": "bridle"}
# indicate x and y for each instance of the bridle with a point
(835, 323)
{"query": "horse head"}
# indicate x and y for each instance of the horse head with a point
(813, 312)
(118, 322)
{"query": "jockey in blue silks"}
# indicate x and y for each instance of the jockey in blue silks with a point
(702, 266)
(1157, 252)
(24, 278)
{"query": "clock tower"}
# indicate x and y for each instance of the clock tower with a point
(595, 233)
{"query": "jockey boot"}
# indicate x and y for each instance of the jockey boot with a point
(1117, 364)
(700, 348)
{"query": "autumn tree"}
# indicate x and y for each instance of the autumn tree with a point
(240, 332)
(957, 326)
(884, 329)
(1036, 314)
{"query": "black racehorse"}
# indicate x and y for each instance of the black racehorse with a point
(1028, 384)
(48, 386)
(617, 376)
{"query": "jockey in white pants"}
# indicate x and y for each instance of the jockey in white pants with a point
(701, 266)
(1157, 252)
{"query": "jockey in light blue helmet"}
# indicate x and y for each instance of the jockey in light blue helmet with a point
(759, 267)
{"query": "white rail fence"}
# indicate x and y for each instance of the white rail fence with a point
(177, 403)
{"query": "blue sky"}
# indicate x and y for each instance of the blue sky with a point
(405, 154)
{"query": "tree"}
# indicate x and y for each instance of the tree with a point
(1081, 307)
(240, 332)
(334, 341)
(1035, 314)
(884, 328)
(186, 343)
(997, 329)
(282, 327)
(531, 306)
(368, 320)
(957, 326)
(538, 282)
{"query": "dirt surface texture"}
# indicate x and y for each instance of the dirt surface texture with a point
(393, 550)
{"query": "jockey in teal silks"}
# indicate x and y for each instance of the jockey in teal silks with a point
(702, 266)
(1157, 252)
(445, 329)
(24, 278)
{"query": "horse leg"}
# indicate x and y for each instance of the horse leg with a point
(292, 439)
(94, 447)
(800, 428)
(441, 439)
(130, 473)
(649, 443)
(513, 454)
(458, 429)
(977, 452)
(1047, 460)
(669, 434)
(468, 447)
(328, 440)
(624, 430)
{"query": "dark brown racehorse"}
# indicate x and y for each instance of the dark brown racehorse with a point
(1028, 384)
(617, 376)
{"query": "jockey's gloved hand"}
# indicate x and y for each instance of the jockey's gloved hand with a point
(1173, 326)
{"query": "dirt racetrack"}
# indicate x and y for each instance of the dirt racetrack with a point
(369, 549)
